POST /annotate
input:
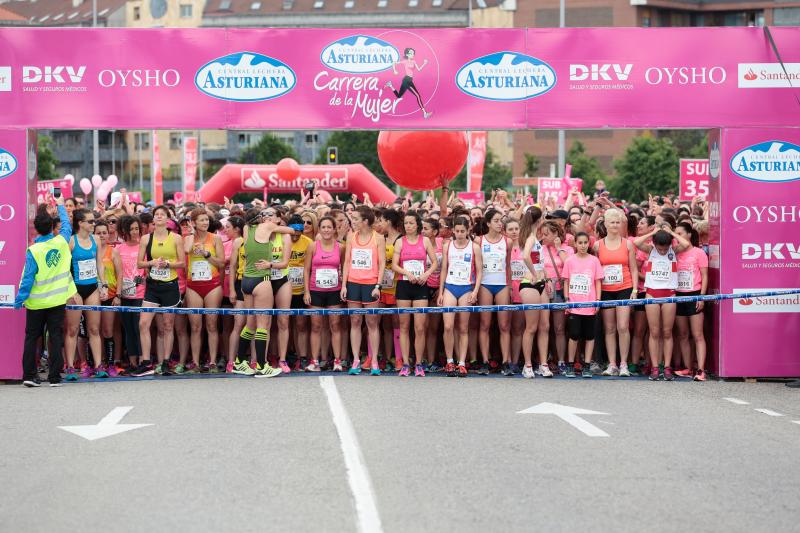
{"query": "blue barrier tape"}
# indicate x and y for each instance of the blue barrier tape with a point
(415, 310)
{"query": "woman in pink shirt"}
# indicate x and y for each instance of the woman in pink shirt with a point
(692, 281)
(554, 253)
(582, 277)
(409, 64)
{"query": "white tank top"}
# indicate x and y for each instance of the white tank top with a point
(494, 261)
(459, 265)
(661, 271)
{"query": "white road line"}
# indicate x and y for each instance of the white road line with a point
(357, 475)
(795, 421)
(737, 401)
(768, 412)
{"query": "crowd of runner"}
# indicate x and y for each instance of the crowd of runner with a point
(435, 252)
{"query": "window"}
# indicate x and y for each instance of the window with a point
(349, 4)
(137, 13)
(287, 4)
(319, 4)
(312, 138)
(186, 11)
(255, 6)
(413, 3)
(141, 141)
(437, 3)
(175, 140)
(225, 4)
(786, 16)
(382, 3)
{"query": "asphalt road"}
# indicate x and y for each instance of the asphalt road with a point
(443, 454)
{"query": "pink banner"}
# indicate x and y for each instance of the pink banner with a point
(15, 186)
(472, 198)
(755, 181)
(44, 187)
(477, 157)
(135, 196)
(468, 79)
(694, 178)
(557, 189)
(189, 166)
(157, 185)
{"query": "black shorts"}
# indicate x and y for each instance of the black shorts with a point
(687, 308)
(611, 296)
(84, 291)
(581, 327)
(360, 293)
(297, 302)
(411, 291)
(162, 293)
(639, 307)
(107, 303)
(278, 283)
(326, 298)
(249, 284)
(237, 286)
(433, 294)
(538, 286)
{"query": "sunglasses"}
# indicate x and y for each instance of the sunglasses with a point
(112, 221)
(269, 214)
(308, 223)
(90, 221)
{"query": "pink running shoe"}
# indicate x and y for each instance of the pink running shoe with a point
(685, 373)
(86, 371)
(113, 372)
(229, 367)
(284, 366)
(419, 371)
(405, 371)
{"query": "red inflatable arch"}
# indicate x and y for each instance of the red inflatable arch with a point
(336, 179)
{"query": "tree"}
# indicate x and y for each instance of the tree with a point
(649, 165)
(356, 147)
(268, 151)
(690, 144)
(495, 175)
(46, 161)
(531, 164)
(584, 166)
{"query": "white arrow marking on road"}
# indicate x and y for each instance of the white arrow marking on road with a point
(769, 412)
(795, 421)
(108, 426)
(737, 401)
(569, 415)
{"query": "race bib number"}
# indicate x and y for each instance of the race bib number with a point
(327, 278)
(459, 273)
(685, 280)
(87, 269)
(277, 273)
(159, 273)
(579, 284)
(201, 271)
(128, 288)
(361, 259)
(493, 263)
(388, 279)
(612, 274)
(518, 270)
(661, 270)
(414, 267)
(296, 276)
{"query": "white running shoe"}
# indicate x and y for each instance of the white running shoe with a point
(623, 371)
(595, 369)
(545, 372)
(528, 373)
(611, 370)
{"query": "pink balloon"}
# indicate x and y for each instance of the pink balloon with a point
(325, 196)
(112, 179)
(97, 180)
(103, 190)
(86, 185)
(71, 179)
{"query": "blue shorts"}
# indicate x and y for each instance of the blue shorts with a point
(494, 289)
(458, 290)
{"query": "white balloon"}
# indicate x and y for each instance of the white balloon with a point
(112, 179)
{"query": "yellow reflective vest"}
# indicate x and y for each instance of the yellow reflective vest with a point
(52, 285)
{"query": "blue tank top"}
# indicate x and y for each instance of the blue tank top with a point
(84, 263)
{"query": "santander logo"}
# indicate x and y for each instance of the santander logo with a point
(745, 301)
(750, 76)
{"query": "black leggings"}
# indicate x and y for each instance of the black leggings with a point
(130, 327)
(408, 85)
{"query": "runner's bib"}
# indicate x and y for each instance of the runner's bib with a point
(493, 263)
(327, 278)
(661, 271)
(276, 273)
(361, 259)
(388, 279)
(612, 274)
(87, 269)
(159, 273)
(579, 284)
(518, 270)
(459, 272)
(414, 267)
(296, 276)
(685, 280)
(201, 271)
(128, 288)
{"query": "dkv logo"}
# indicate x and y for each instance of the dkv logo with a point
(506, 76)
(771, 161)
(53, 74)
(245, 77)
(359, 54)
(8, 163)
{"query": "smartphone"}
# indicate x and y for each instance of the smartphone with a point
(310, 186)
(56, 192)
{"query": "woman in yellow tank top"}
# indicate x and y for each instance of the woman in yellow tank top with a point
(234, 227)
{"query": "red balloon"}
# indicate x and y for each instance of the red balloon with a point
(288, 169)
(422, 160)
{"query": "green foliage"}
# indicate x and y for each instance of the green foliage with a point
(46, 161)
(356, 147)
(531, 165)
(649, 165)
(584, 166)
(690, 144)
(268, 151)
(495, 175)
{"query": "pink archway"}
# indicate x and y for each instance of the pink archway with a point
(335, 179)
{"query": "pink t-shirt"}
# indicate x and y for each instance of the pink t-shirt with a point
(689, 264)
(128, 288)
(549, 268)
(580, 275)
(409, 65)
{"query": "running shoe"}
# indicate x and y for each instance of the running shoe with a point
(405, 371)
(462, 371)
(254, 365)
(313, 366)
(586, 372)
(611, 370)
(192, 368)
(144, 369)
(515, 369)
(213, 369)
(267, 371)
(633, 369)
(35, 382)
(113, 371)
(562, 368)
(700, 375)
(434, 368)
(375, 372)
(86, 371)
(570, 371)
(419, 371)
(337, 365)
(243, 368)
(325, 365)
(229, 367)
(180, 369)
(354, 370)
(654, 375)
(494, 367)
(594, 368)
(163, 369)
(683, 373)
(449, 369)
(102, 371)
(669, 375)
(528, 373)
(367, 364)
(506, 370)
(624, 372)
(298, 365)
(545, 371)
(284, 366)
(71, 374)
(484, 369)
